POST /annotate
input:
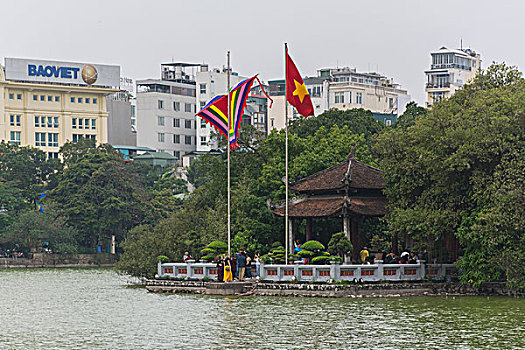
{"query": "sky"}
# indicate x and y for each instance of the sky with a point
(394, 37)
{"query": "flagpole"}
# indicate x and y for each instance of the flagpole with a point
(286, 153)
(228, 148)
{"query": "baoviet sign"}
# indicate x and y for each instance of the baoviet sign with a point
(62, 72)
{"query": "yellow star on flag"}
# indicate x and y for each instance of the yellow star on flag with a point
(300, 90)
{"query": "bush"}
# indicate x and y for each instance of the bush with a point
(339, 244)
(336, 259)
(163, 258)
(217, 245)
(320, 260)
(313, 245)
(305, 254)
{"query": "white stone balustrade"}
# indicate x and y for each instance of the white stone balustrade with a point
(319, 273)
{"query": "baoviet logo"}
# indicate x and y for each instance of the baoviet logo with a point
(89, 74)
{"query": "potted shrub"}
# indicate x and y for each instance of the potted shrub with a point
(214, 250)
(339, 245)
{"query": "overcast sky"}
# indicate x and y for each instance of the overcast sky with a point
(394, 36)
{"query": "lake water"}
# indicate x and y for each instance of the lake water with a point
(94, 309)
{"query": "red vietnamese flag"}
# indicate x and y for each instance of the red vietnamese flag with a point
(296, 92)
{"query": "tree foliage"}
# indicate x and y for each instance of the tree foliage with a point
(450, 172)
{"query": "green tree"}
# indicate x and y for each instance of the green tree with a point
(440, 170)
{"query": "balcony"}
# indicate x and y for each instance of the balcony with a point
(437, 86)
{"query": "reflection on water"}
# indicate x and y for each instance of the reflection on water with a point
(93, 309)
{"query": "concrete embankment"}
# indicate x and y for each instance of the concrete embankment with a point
(328, 290)
(59, 260)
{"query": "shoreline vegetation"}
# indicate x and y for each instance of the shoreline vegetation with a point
(454, 176)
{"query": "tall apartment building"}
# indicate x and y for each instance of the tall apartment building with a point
(47, 103)
(210, 83)
(166, 108)
(449, 71)
(343, 89)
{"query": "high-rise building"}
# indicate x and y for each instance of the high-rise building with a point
(166, 108)
(450, 70)
(47, 103)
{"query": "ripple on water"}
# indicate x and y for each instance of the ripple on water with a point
(93, 309)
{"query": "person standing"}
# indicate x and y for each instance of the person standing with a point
(364, 255)
(228, 277)
(248, 266)
(186, 257)
(257, 265)
(220, 269)
(241, 262)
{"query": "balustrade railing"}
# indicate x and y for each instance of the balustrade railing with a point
(319, 273)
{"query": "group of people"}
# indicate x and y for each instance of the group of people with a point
(406, 257)
(237, 267)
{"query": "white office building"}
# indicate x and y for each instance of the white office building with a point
(166, 107)
(449, 71)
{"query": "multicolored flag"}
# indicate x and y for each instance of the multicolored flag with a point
(216, 111)
(296, 92)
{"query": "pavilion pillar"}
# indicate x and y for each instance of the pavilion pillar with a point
(346, 230)
(354, 238)
(395, 249)
(308, 229)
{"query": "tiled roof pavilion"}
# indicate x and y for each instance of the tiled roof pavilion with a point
(351, 184)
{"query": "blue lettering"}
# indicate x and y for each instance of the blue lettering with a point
(75, 70)
(53, 71)
(66, 72)
(31, 69)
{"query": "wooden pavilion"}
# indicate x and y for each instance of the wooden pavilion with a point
(350, 190)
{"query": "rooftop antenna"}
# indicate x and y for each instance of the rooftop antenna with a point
(461, 43)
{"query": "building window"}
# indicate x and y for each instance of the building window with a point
(359, 98)
(52, 155)
(187, 124)
(187, 107)
(272, 122)
(57, 98)
(339, 97)
(93, 124)
(203, 104)
(187, 140)
(49, 122)
(203, 123)
(72, 100)
(86, 124)
(42, 98)
(76, 137)
(40, 138)
(176, 106)
(350, 97)
(160, 121)
(42, 122)
(391, 102)
(14, 120)
(52, 140)
(35, 97)
(92, 137)
(94, 101)
(74, 123)
(176, 138)
(79, 100)
(203, 141)
(18, 96)
(160, 137)
(176, 154)
(176, 122)
(80, 123)
(11, 96)
(49, 98)
(160, 104)
(55, 122)
(87, 99)
(203, 88)
(15, 138)
(37, 121)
